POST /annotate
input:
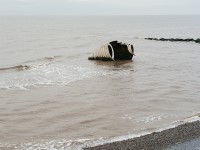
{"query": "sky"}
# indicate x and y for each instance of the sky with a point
(99, 7)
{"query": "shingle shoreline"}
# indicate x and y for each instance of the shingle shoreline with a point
(156, 140)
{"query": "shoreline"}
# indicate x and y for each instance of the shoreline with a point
(156, 140)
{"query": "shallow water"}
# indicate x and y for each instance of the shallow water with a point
(51, 96)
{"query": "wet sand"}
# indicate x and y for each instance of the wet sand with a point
(185, 133)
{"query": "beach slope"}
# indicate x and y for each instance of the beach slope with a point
(157, 140)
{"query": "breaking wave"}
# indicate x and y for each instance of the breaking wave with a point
(17, 68)
(30, 64)
(48, 74)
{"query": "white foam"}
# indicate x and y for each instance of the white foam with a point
(180, 122)
(192, 119)
(143, 118)
(51, 74)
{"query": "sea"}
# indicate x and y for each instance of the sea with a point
(53, 98)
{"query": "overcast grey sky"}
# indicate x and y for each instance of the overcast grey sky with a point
(99, 7)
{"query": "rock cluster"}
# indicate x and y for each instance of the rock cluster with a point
(175, 40)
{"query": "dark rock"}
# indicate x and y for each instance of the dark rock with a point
(162, 39)
(171, 39)
(155, 39)
(100, 58)
(189, 40)
(175, 39)
(197, 40)
(148, 38)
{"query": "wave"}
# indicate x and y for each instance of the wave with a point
(30, 64)
(80, 144)
(44, 60)
(18, 68)
(57, 73)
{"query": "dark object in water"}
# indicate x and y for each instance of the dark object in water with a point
(113, 51)
(174, 40)
(197, 41)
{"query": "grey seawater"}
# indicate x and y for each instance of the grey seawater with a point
(52, 97)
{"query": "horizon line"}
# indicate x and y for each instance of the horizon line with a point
(64, 15)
